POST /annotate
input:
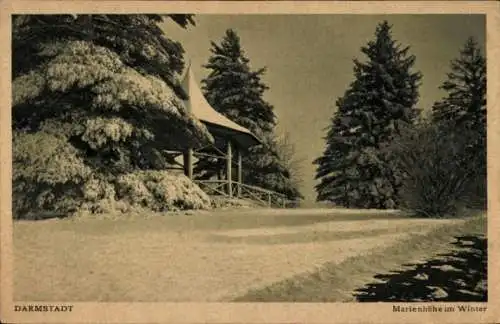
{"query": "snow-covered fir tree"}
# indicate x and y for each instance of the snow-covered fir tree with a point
(101, 91)
(464, 106)
(353, 170)
(463, 110)
(465, 103)
(234, 89)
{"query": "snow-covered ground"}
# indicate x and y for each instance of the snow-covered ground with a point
(207, 256)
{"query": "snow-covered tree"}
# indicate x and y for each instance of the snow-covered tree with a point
(101, 89)
(463, 109)
(237, 91)
(465, 103)
(353, 169)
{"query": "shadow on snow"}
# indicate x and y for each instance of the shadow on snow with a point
(457, 276)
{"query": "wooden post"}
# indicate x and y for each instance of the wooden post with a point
(188, 163)
(188, 154)
(229, 160)
(269, 199)
(240, 171)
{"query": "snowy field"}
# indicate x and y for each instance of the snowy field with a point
(204, 256)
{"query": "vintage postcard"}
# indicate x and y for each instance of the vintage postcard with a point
(249, 162)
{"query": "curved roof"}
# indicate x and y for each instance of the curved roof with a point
(216, 123)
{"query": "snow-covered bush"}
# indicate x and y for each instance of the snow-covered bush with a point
(160, 191)
(48, 175)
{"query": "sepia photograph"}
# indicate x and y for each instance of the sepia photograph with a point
(229, 158)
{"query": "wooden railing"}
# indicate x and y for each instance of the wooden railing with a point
(213, 187)
(239, 190)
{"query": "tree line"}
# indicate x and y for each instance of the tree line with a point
(97, 101)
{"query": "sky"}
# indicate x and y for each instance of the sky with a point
(309, 62)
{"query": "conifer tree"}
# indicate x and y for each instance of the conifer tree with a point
(353, 170)
(463, 109)
(236, 91)
(92, 71)
(102, 90)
